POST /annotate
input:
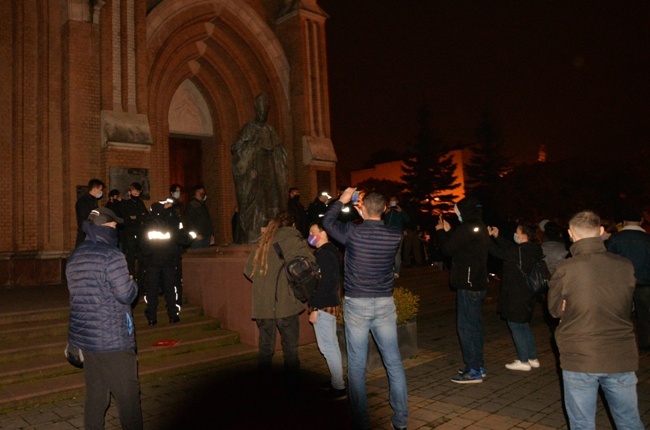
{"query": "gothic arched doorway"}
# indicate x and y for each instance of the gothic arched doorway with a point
(190, 127)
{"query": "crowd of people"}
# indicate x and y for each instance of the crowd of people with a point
(597, 280)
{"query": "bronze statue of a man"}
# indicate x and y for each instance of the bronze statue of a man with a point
(259, 165)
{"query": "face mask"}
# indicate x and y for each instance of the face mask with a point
(296, 197)
(205, 198)
(313, 239)
(514, 236)
(393, 203)
(460, 219)
(176, 195)
(99, 196)
(133, 197)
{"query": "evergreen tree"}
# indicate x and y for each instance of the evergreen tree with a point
(488, 163)
(385, 187)
(429, 168)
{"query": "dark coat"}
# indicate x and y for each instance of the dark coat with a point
(634, 245)
(197, 218)
(396, 218)
(83, 207)
(554, 252)
(467, 246)
(516, 299)
(327, 292)
(101, 294)
(316, 211)
(296, 209)
(135, 214)
(595, 334)
(370, 249)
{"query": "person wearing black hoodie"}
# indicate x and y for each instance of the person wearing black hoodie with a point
(467, 246)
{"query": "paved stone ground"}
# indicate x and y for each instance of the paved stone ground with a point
(228, 398)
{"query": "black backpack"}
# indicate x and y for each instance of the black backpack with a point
(303, 275)
(537, 279)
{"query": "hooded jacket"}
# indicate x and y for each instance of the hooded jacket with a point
(595, 334)
(101, 293)
(272, 295)
(327, 292)
(467, 246)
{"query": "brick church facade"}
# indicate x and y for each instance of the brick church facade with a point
(154, 91)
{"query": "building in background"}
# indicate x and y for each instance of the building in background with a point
(392, 171)
(153, 91)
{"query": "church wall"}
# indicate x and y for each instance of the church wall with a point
(7, 131)
(58, 74)
(81, 119)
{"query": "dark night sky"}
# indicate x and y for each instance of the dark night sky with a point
(572, 75)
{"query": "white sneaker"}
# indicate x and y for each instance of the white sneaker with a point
(518, 365)
(534, 363)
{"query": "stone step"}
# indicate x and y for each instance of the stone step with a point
(12, 333)
(14, 318)
(17, 322)
(51, 361)
(33, 368)
(71, 384)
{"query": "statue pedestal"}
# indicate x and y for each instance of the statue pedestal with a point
(213, 278)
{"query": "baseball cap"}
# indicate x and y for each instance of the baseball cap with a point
(101, 216)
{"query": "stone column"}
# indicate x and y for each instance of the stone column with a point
(301, 30)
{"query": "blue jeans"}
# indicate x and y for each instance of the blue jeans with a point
(378, 316)
(581, 389)
(469, 322)
(524, 341)
(328, 344)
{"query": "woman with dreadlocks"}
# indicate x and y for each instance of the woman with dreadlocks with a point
(274, 305)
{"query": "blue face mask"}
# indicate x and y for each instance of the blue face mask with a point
(313, 239)
(176, 195)
(515, 238)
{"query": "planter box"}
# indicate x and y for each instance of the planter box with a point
(407, 337)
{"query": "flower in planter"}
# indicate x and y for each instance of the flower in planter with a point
(406, 304)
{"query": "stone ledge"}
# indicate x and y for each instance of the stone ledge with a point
(32, 268)
(213, 278)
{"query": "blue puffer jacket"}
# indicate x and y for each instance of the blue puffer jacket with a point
(101, 293)
(370, 249)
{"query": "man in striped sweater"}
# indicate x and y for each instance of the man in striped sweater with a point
(370, 249)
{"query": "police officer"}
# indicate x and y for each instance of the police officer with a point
(162, 245)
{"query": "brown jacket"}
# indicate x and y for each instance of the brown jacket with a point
(595, 334)
(268, 301)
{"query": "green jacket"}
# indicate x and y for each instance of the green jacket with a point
(271, 301)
